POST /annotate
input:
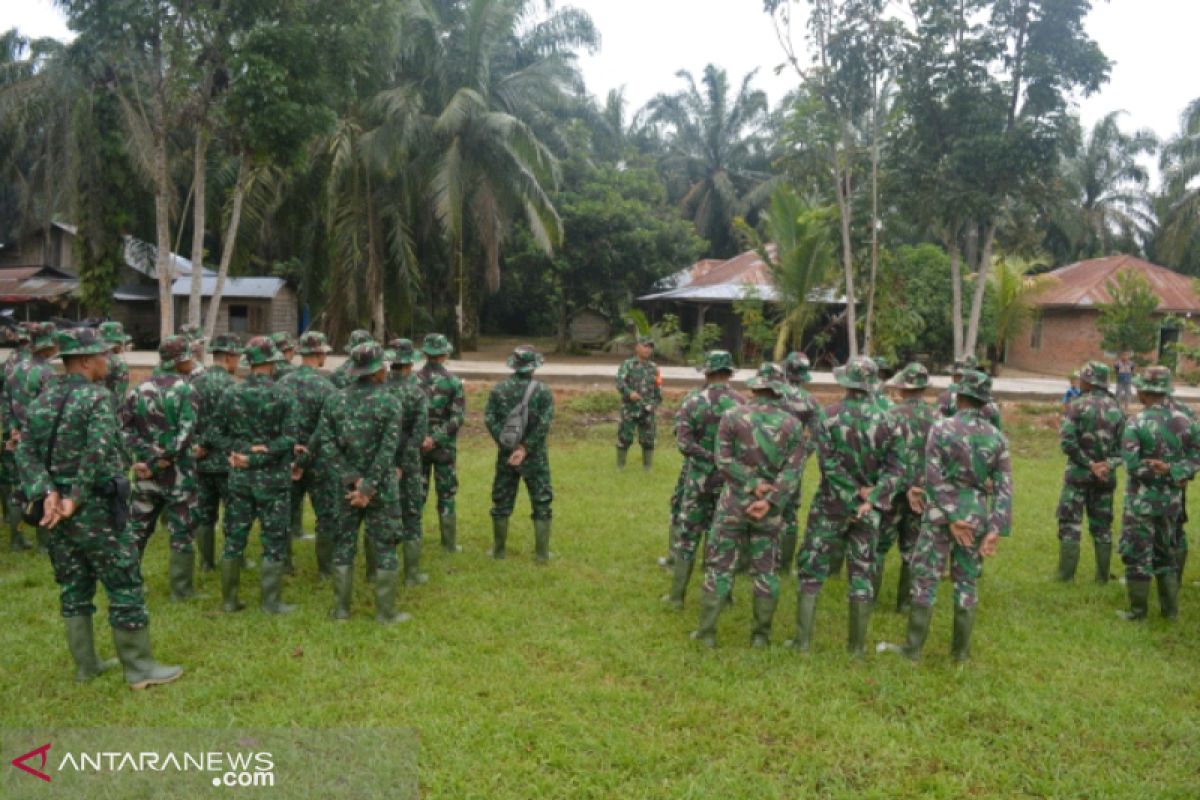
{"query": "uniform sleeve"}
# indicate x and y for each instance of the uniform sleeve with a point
(656, 391)
(136, 444)
(940, 491)
(181, 412)
(685, 432)
(787, 482)
(841, 485)
(1131, 454)
(491, 414)
(895, 474)
(735, 473)
(1189, 464)
(384, 462)
(445, 434)
(622, 381)
(1000, 519)
(331, 455)
(1114, 456)
(541, 416)
(1068, 437)
(421, 426)
(31, 463)
(223, 435)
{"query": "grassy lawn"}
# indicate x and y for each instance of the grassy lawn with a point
(575, 681)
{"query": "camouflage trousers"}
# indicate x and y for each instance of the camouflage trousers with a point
(152, 499)
(821, 540)
(936, 546)
(1096, 501)
(535, 471)
(903, 525)
(1149, 546)
(412, 499)
(323, 495)
(635, 419)
(87, 548)
(701, 492)
(735, 536)
(211, 494)
(380, 522)
(264, 495)
(443, 473)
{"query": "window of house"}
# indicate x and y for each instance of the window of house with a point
(1035, 334)
(239, 318)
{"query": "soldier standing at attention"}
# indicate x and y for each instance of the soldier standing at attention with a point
(808, 412)
(212, 465)
(285, 343)
(968, 507)
(1090, 437)
(415, 426)
(309, 390)
(158, 423)
(946, 403)
(1161, 450)
(696, 426)
(861, 472)
(760, 454)
(117, 381)
(1181, 540)
(439, 451)
(70, 458)
(28, 379)
(341, 377)
(196, 341)
(522, 450)
(256, 426)
(640, 384)
(9, 482)
(359, 434)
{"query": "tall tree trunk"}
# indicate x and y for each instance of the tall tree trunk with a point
(955, 293)
(199, 168)
(164, 269)
(869, 330)
(235, 220)
(375, 270)
(841, 180)
(981, 276)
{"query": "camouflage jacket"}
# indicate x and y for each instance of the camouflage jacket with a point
(882, 401)
(309, 390)
(158, 422)
(256, 412)
(340, 377)
(415, 424)
(29, 378)
(968, 474)
(15, 359)
(505, 396)
(87, 453)
(808, 411)
(447, 403)
(1091, 431)
(859, 447)
(359, 435)
(208, 389)
(117, 380)
(283, 369)
(699, 419)
(643, 377)
(948, 405)
(759, 442)
(913, 419)
(1164, 433)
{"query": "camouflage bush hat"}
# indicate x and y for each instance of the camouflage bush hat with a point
(193, 333)
(358, 337)
(365, 359)
(965, 363)
(796, 366)
(114, 333)
(174, 350)
(769, 376)
(81, 342)
(43, 335)
(436, 344)
(1154, 380)
(717, 361)
(914, 376)
(976, 384)
(525, 359)
(1097, 373)
(861, 373)
(225, 343)
(403, 352)
(261, 350)
(313, 343)
(283, 341)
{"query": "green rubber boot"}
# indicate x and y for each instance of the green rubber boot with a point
(681, 573)
(622, 455)
(1103, 561)
(860, 618)
(324, 548)
(412, 564)
(674, 531)
(12, 516)
(180, 571)
(711, 606)
(806, 615)
(960, 642)
(1068, 560)
(1139, 600)
(449, 528)
(1168, 594)
(647, 458)
(904, 589)
(876, 581)
(206, 547)
(385, 598)
(141, 670)
(787, 553)
(918, 631)
(499, 538)
(272, 589)
(541, 541)
(289, 564)
(762, 614)
(369, 559)
(43, 540)
(1181, 560)
(343, 589)
(82, 644)
(231, 575)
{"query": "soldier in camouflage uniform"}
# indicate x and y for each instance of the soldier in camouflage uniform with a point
(117, 382)
(69, 456)
(946, 402)
(256, 426)
(310, 389)
(285, 343)
(884, 374)
(439, 451)
(808, 411)
(9, 483)
(675, 515)
(196, 342)
(640, 385)
(968, 507)
(158, 423)
(696, 425)
(359, 435)
(212, 465)
(1161, 450)
(860, 453)
(1090, 437)
(1181, 540)
(341, 376)
(29, 378)
(414, 428)
(760, 454)
(530, 459)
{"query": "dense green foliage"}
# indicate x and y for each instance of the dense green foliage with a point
(1128, 322)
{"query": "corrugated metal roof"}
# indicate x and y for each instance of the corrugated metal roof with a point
(140, 257)
(249, 288)
(136, 294)
(725, 281)
(1085, 285)
(24, 289)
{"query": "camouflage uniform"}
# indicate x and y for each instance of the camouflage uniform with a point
(760, 454)
(447, 408)
(640, 416)
(117, 380)
(675, 515)
(535, 469)
(414, 429)
(341, 376)
(28, 379)
(1181, 540)
(285, 343)
(808, 411)
(9, 483)
(196, 341)
(212, 471)
(359, 436)
(948, 405)
(1090, 433)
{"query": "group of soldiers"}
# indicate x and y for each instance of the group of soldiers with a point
(93, 465)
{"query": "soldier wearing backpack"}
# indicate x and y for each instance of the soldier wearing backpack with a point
(518, 415)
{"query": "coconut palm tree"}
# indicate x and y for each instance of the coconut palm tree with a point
(1178, 239)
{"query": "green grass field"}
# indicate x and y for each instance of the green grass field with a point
(574, 680)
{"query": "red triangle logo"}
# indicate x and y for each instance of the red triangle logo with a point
(19, 762)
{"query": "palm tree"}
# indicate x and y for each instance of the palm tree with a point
(1013, 290)
(1178, 240)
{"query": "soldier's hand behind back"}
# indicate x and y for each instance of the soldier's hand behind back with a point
(963, 532)
(988, 548)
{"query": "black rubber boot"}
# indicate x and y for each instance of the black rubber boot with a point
(1168, 594)
(412, 564)
(272, 589)
(82, 644)
(960, 642)
(762, 614)
(711, 606)
(681, 573)
(541, 541)
(343, 589)
(622, 455)
(385, 598)
(787, 553)
(206, 547)
(449, 529)
(860, 618)
(141, 670)
(1068, 560)
(1139, 600)
(806, 614)
(1103, 560)
(499, 538)
(180, 570)
(904, 589)
(647, 458)
(918, 631)
(231, 574)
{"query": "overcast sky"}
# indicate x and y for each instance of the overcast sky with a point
(646, 41)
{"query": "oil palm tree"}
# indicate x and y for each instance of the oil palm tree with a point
(1177, 242)
(1013, 290)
